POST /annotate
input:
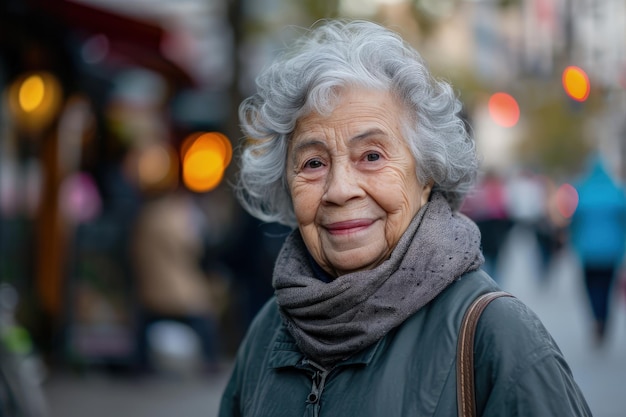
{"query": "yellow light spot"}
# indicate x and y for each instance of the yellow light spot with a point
(34, 101)
(32, 92)
(203, 170)
(205, 157)
(576, 83)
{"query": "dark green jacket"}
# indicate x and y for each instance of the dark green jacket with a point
(411, 371)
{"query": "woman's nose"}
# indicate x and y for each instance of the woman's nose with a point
(342, 184)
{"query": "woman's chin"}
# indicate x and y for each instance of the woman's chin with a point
(347, 263)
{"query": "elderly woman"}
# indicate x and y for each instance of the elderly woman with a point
(352, 143)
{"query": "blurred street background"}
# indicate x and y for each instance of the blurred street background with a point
(128, 271)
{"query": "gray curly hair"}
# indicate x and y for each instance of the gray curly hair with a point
(308, 76)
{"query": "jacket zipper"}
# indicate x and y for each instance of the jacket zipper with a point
(318, 382)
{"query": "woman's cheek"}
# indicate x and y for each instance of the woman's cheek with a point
(305, 202)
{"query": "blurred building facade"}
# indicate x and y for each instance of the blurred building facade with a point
(508, 48)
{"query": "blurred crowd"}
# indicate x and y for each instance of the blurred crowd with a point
(586, 216)
(522, 199)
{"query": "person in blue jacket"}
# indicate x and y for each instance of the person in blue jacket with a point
(355, 146)
(598, 236)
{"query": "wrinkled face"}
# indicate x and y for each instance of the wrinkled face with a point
(352, 181)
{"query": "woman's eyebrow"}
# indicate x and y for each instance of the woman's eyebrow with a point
(370, 132)
(299, 145)
(305, 143)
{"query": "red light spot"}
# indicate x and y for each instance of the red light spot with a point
(504, 109)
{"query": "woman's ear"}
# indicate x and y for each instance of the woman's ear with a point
(426, 192)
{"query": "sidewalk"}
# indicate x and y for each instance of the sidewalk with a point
(99, 395)
(562, 306)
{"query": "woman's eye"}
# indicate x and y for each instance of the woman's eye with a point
(313, 163)
(371, 157)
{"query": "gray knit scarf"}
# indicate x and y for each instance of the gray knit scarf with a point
(332, 320)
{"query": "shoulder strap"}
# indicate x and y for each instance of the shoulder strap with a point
(466, 401)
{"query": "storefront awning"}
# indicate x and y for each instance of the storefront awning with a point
(131, 41)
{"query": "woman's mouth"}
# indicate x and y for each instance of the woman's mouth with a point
(348, 226)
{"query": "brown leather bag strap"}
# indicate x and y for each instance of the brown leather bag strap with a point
(465, 396)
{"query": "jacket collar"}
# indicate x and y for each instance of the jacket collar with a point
(284, 353)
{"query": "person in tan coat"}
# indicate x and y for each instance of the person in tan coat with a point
(167, 248)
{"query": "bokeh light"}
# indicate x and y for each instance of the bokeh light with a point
(79, 198)
(155, 166)
(31, 93)
(34, 100)
(503, 109)
(576, 83)
(205, 157)
(203, 170)
(566, 199)
(95, 49)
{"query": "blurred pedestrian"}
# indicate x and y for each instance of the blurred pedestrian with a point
(528, 199)
(168, 249)
(354, 145)
(598, 236)
(487, 206)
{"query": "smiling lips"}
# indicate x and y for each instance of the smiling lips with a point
(348, 227)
